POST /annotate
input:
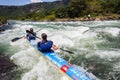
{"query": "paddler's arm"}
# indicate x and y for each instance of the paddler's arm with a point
(54, 47)
(26, 35)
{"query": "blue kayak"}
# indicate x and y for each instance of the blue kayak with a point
(72, 71)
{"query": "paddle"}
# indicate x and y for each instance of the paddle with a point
(66, 51)
(17, 38)
(40, 38)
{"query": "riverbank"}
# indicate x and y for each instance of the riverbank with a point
(83, 18)
(98, 18)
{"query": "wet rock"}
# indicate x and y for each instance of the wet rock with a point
(6, 66)
(5, 63)
(1, 30)
(5, 27)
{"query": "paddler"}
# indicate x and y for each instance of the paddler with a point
(46, 45)
(30, 36)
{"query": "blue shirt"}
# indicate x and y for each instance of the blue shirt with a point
(31, 37)
(45, 46)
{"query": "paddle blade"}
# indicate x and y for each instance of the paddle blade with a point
(15, 39)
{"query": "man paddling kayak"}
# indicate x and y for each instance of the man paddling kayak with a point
(45, 45)
(30, 36)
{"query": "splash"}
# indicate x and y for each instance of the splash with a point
(43, 70)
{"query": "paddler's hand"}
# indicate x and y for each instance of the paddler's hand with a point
(55, 47)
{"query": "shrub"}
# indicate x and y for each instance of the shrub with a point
(50, 17)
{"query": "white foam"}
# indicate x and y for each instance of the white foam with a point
(113, 31)
(26, 59)
(45, 31)
(106, 54)
(62, 41)
(19, 42)
(117, 66)
(74, 32)
(43, 71)
(89, 34)
(23, 27)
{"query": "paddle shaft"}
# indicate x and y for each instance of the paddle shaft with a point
(66, 51)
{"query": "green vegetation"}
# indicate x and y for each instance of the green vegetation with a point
(109, 9)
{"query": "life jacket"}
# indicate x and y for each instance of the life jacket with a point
(45, 46)
(31, 37)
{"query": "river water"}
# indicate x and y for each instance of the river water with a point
(95, 44)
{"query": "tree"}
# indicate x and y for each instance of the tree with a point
(94, 7)
(76, 7)
(61, 12)
(111, 6)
